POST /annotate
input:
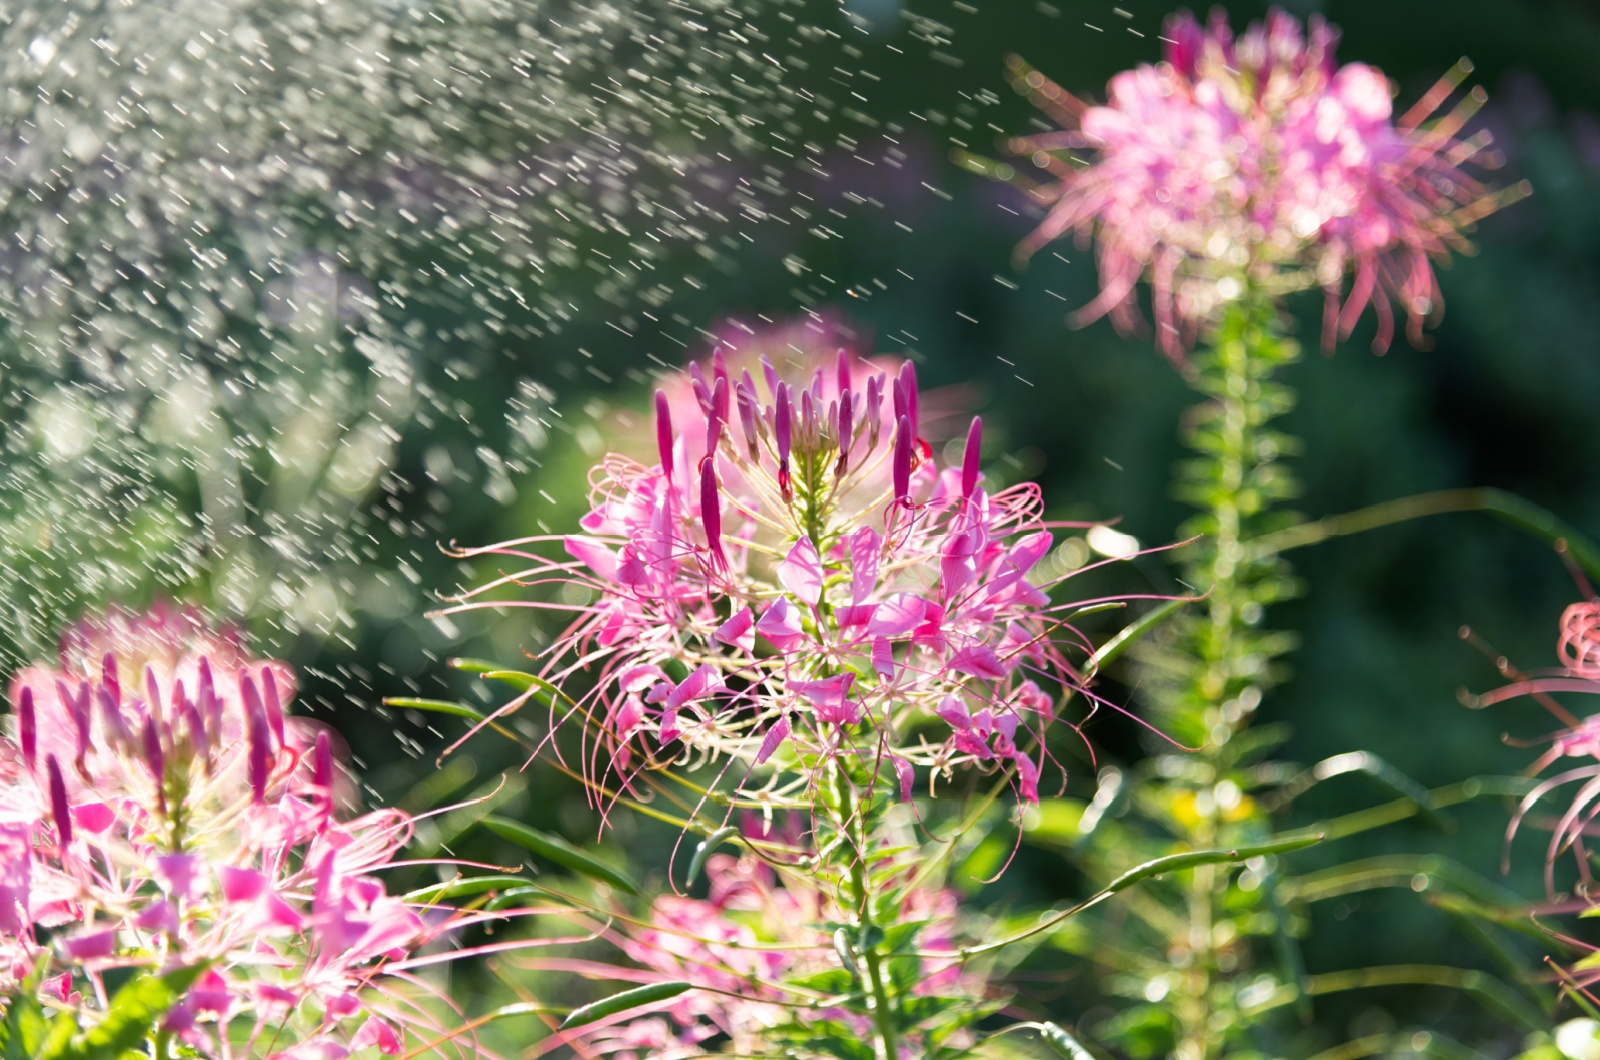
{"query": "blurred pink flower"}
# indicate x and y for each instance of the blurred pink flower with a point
(155, 793)
(743, 943)
(1257, 161)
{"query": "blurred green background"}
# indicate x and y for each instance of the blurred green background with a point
(454, 347)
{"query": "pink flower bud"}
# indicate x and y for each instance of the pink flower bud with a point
(152, 691)
(782, 423)
(210, 706)
(273, 704)
(748, 416)
(842, 366)
(664, 434)
(719, 365)
(58, 803)
(908, 380)
(808, 422)
(108, 678)
(771, 375)
(969, 459)
(902, 461)
(716, 415)
(711, 512)
(27, 727)
(155, 758)
(77, 707)
(844, 431)
(874, 410)
(322, 772)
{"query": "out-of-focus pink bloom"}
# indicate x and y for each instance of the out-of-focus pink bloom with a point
(1257, 162)
(851, 587)
(154, 790)
(743, 942)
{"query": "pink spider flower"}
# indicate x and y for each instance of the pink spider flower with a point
(1257, 162)
(743, 944)
(160, 808)
(796, 577)
(1579, 651)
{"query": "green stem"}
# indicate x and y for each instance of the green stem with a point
(852, 818)
(1508, 507)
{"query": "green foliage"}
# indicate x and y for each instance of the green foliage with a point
(638, 997)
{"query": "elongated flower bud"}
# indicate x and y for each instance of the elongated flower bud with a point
(108, 678)
(908, 379)
(58, 802)
(808, 422)
(210, 705)
(969, 459)
(272, 704)
(717, 415)
(719, 366)
(771, 374)
(749, 418)
(664, 434)
(844, 430)
(711, 511)
(702, 391)
(27, 728)
(152, 691)
(322, 772)
(874, 410)
(782, 425)
(842, 366)
(155, 758)
(258, 749)
(111, 716)
(902, 461)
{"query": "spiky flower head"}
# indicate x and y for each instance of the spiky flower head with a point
(1257, 162)
(796, 579)
(760, 948)
(160, 809)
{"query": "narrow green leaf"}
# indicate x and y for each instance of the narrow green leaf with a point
(1130, 634)
(561, 852)
(437, 706)
(1193, 858)
(635, 998)
(474, 666)
(517, 896)
(704, 848)
(462, 888)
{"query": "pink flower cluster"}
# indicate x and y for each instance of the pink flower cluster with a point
(159, 808)
(1256, 161)
(745, 945)
(1579, 650)
(795, 577)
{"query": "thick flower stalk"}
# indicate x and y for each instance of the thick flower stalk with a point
(160, 809)
(1258, 162)
(795, 582)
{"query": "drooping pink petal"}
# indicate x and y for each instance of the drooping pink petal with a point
(738, 631)
(781, 625)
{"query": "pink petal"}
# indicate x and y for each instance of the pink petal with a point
(883, 657)
(241, 885)
(594, 555)
(773, 740)
(781, 625)
(979, 660)
(866, 550)
(379, 1033)
(897, 616)
(738, 631)
(801, 572)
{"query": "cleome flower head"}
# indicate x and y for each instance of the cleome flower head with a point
(795, 577)
(1257, 162)
(1578, 648)
(161, 809)
(759, 951)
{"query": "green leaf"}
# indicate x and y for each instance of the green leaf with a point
(437, 706)
(518, 895)
(1130, 634)
(461, 888)
(1063, 1043)
(1193, 858)
(561, 852)
(131, 1017)
(628, 999)
(704, 848)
